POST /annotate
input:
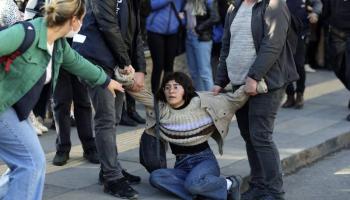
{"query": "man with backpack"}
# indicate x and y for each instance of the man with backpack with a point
(255, 47)
(306, 12)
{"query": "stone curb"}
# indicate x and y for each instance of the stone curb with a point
(293, 163)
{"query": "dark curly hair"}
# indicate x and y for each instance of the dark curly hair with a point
(181, 78)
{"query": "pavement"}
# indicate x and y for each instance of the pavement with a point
(302, 137)
(313, 182)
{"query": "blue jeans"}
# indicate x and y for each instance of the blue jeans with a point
(198, 55)
(193, 175)
(20, 149)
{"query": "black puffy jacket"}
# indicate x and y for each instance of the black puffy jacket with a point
(205, 23)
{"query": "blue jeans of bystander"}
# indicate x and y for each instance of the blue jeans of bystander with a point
(198, 55)
(20, 149)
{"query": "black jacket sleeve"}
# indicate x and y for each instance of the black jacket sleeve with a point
(106, 17)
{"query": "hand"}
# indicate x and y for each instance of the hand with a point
(309, 8)
(250, 86)
(139, 82)
(181, 15)
(313, 18)
(127, 70)
(115, 86)
(216, 90)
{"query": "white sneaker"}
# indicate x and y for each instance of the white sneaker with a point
(4, 182)
(309, 69)
(35, 125)
(42, 127)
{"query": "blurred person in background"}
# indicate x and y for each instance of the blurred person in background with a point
(162, 33)
(337, 12)
(308, 13)
(201, 15)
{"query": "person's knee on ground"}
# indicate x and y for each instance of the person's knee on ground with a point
(157, 177)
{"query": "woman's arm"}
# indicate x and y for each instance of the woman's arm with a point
(79, 66)
(145, 97)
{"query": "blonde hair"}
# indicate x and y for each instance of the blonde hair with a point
(57, 12)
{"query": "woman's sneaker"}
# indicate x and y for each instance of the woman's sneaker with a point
(234, 191)
(120, 188)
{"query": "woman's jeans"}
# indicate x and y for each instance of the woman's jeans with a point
(193, 175)
(198, 59)
(20, 149)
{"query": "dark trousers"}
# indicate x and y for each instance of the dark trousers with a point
(340, 55)
(299, 59)
(163, 52)
(106, 107)
(40, 107)
(256, 123)
(69, 88)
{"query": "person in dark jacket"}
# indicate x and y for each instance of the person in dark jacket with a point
(254, 47)
(114, 26)
(337, 12)
(308, 12)
(201, 15)
(162, 32)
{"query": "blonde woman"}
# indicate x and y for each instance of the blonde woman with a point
(20, 87)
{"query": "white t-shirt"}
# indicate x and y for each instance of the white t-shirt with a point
(49, 66)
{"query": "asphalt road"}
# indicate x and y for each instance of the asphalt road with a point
(327, 179)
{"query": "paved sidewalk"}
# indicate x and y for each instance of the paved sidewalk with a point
(302, 136)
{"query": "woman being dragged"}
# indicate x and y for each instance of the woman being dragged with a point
(187, 120)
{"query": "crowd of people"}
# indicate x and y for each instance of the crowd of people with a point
(77, 50)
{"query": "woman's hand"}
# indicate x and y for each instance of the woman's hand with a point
(114, 86)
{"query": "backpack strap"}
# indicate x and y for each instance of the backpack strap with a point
(29, 36)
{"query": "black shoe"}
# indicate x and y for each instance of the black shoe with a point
(60, 158)
(72, 121)
(101, 179)
(348, 117)
(234, 191)
(136, 117)
(299, 101)
(251, 194)
(349, 104)
(53, 125)
(127, 121)
(92, 156)
(132, 179)
(120, 188)
(290, 102)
